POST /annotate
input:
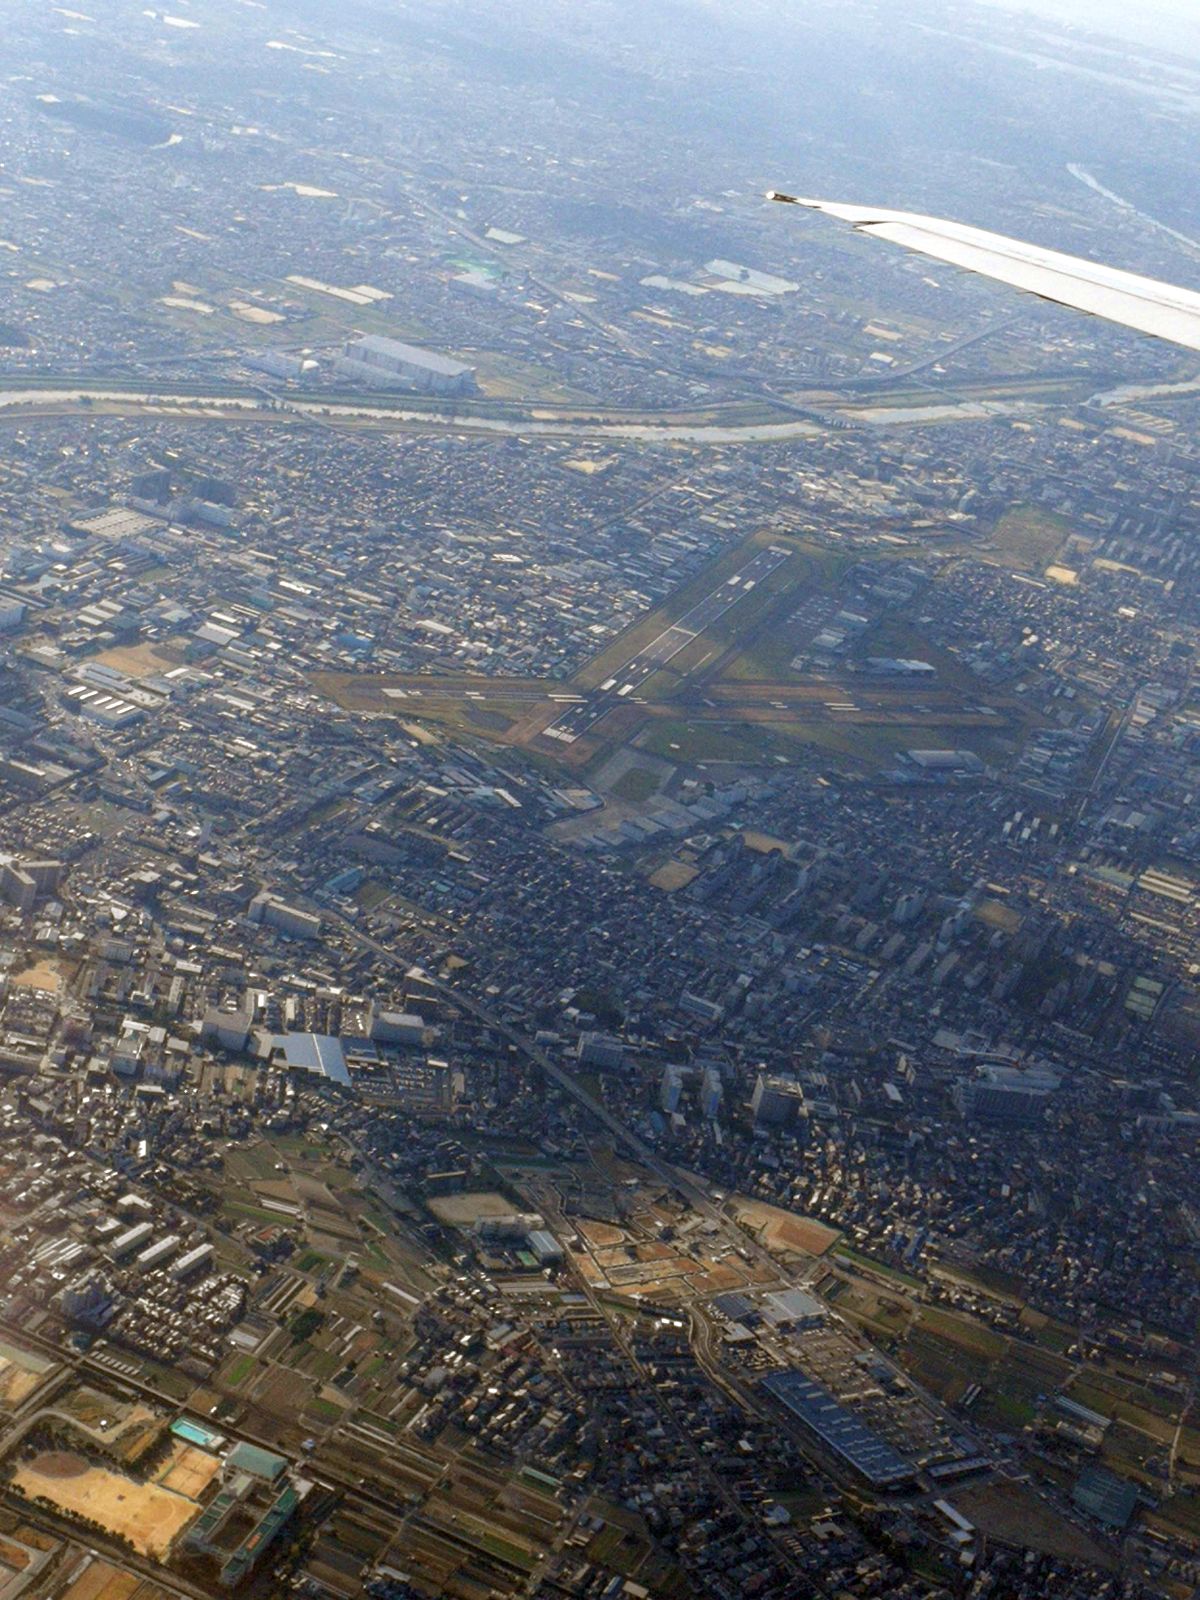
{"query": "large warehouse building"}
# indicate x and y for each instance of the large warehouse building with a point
(839, 1430)
(389, 364)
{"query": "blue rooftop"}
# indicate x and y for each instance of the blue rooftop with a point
(312, 1052)
(838, 1428)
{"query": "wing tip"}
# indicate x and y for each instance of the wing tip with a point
(795, 200)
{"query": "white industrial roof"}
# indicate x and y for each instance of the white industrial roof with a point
(396, 350)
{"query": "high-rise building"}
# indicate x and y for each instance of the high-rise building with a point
(776, 1100)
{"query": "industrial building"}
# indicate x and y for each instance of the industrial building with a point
(156, 1254)
(839, 1430)
(391, 364)
(545, 1247)
(293, 921)
(600, 1050)
(194, 1261)
(129, 1241)
(398, 1027)
(1005, 1094)
(793, 1308)
(310, 1052)
(24, 883)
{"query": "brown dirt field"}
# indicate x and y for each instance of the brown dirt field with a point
(274, 1190)
(59, 1464)
(718, 1278)
(461, 1210)
(782, 1230)
(149, 1517)
(673, 875)
(45, 975)
(617, 1255)
(35, 1538)
(651, 1288)
(600, 1234)
(139, 660)
(13, 1556)
(17, 1383)
(102, 1582)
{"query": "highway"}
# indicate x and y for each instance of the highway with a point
(645, 663)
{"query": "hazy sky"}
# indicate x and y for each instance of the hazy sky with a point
(1169, 24)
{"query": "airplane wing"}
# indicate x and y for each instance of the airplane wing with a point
(1161, 309)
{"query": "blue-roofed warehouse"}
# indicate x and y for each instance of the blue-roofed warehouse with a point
(311, 1052)
(838, 1429)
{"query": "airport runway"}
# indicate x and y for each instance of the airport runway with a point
(629, 678)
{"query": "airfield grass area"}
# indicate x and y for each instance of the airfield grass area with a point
(731, 695)
(809, 564)
(420, 694)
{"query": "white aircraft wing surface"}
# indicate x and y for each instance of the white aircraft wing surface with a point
(1161, 309)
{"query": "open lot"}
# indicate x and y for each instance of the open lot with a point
(1030, 536)
(781, 1230)
(145, 660)
(43, 975)
(461, 1210)
(21, 1374)
(1014, 1514)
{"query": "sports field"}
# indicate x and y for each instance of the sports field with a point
(188, 1470)
(149, 1516)
(461, 1210)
